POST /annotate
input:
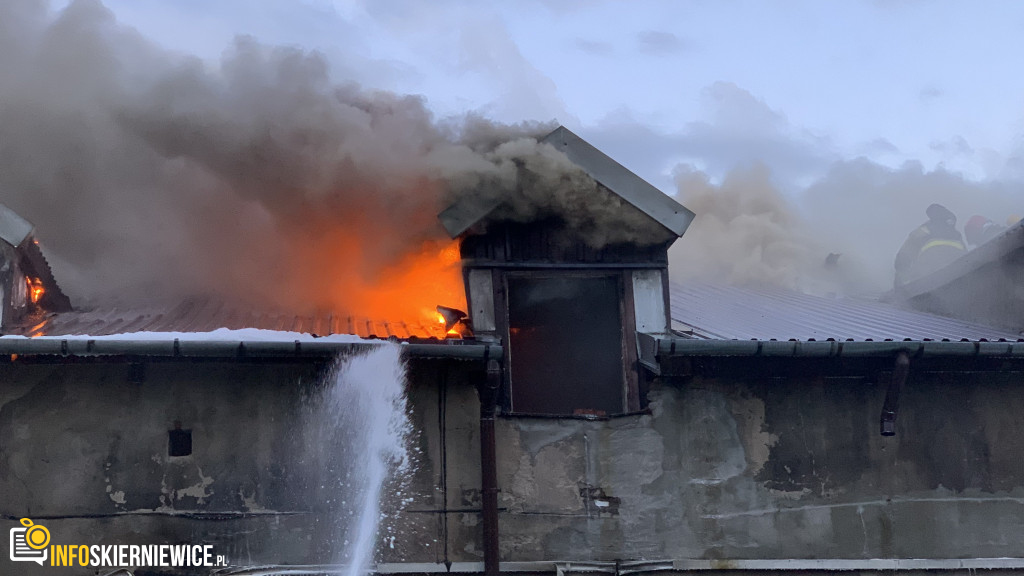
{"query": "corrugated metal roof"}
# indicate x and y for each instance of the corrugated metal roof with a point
(699, 310)
(200, 315)
(727, 312)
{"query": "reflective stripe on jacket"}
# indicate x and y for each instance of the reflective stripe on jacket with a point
(951, 243)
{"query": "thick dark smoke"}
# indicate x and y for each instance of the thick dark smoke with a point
(153, 175)
(150, 174)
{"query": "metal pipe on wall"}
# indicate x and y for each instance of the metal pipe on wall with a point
(489, 466)
(892, 396)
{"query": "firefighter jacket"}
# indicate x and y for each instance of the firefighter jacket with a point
(932, 246)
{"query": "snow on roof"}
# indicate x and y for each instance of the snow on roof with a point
(218, 335)
(209, 317)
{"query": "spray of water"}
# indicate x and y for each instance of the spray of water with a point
(360, 430)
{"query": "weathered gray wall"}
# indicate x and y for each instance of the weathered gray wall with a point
(720, 468)
(83, 451)
(87, 449)
(774, 469)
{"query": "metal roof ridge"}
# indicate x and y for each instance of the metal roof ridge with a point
(622, 181)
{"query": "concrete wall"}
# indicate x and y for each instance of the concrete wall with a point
(721, 468)
(84, 452)
(783, 468)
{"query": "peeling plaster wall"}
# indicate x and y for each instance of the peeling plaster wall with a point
(84, 451)
(720, 468)
(787, 468)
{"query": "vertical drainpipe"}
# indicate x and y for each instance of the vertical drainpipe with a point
(892, 395)
(489, 466)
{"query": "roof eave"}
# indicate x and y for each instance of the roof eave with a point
(670, 347)
(82, 347)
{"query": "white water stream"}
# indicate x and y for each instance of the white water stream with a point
(361, 424)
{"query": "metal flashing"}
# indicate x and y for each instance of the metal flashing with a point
(637, 192)
(13, 228)
(617, 178)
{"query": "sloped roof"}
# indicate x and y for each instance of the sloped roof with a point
(984, 285)
(13, 228)
(33, 263)
(636, 191)
(614, 176)
(203, 315)
(719, 312)
(999, 248)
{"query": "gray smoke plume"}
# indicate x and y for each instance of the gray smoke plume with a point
(745, 231)
(150, 174)
(748, 232)
(862, 208)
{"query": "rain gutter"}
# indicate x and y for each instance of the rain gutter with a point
(175, 348)
(653, 347)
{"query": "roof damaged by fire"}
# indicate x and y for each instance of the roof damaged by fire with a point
(495, 236)
(556, 416)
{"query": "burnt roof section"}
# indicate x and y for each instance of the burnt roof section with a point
(34, 264)
(718, 312)
(204, 315)
(13, 228)
(615, 177)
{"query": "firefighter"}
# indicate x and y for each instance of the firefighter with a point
(979, 230)
(930, 247)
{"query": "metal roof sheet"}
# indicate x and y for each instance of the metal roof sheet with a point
(617, 178)
(703, 311)
(202, 315)
(731, 313)
(13, 228)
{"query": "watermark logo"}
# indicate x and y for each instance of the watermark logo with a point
(31, 543)
(28, 543)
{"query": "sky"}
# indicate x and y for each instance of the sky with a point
(792, 128)
(794, 84)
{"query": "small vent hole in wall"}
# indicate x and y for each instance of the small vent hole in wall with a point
(179, 442)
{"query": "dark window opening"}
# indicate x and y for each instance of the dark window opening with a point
(179, 442)
(136, 373)
(565, 344)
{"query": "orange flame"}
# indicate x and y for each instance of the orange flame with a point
(453, 331)
(35, 289)
(344, 274)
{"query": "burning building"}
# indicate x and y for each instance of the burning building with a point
(27, 285)
(592, 416)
